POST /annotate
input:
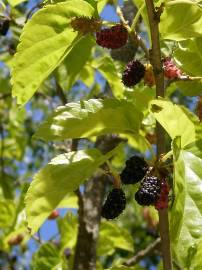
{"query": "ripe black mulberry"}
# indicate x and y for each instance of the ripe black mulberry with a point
(149, 191)
(4, 26)
(134, 171)
(112, 38)
(114, 204)
(133, 73)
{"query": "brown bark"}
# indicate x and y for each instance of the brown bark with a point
(155, 58)
(89, 220)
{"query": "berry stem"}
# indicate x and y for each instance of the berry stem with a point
(137, 16)
(155, 59)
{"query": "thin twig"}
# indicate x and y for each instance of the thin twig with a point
(60, 93)
(143, 253)
(5, 95)
(135, 37)
(183, 78)
(137, 16)
(155, 59)
(32, 10)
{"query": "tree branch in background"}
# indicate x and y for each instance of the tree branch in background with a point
(144, 253)
(155, 59)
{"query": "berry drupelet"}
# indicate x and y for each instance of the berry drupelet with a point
(133, 73)
(135, 169)
(114, 204)
(112, 38)
(149, 191)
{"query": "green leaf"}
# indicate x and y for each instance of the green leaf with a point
(71, 201)
(106, 66)
(90, 118)
(45, 42)
(68, 231)
(7, 213)
(138, 142)
(197, 259)
(176, 120)
(186, 212)
(87, 75)
(14, 3)
(46, 258)
(75, 61)
(138, 4)
(181, 21)
(189, 56)
(63, 175)
(190, 88)
(112, 237)
(101, 4)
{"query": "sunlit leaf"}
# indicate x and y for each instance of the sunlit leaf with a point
(186, 212)
(63, 175)
(176, 120)
(68, 231)
(46, 258)
(90, 118)
(181, 21)
(112, 237)
(106, 66)
(7, 213)
(14, 3)
(45, 42)
(75, 61)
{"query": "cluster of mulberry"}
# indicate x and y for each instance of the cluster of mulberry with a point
(112, 38)
(114, 204)
(152, 190)
(171, 71)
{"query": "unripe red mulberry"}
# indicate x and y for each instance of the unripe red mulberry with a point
(54, 214)
(16, 240)
(162, 202)
(86, 25)
(112, 38)
(114, 204)
(133, 73)
(171, 71)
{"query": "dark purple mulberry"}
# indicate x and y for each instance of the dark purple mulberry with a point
(114, 204)
(133, 73)
(149, 191)
(4, 26)
(135, 169)
(112, 38)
